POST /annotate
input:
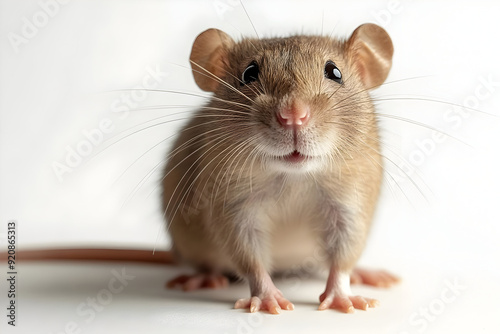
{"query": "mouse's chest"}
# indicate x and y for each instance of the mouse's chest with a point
(294, 218)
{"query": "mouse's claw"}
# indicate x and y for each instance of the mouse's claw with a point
(273, 302)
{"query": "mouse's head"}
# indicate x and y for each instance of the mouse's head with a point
(296, 103)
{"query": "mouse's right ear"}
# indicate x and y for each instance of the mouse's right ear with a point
(370, 52)
(209, 58)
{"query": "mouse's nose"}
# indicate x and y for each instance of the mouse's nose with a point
(294, 116)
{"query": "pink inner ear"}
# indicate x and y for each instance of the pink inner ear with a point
(372, 69)
(365, 78)
(361, 62)
(210, 68)
(206, 56)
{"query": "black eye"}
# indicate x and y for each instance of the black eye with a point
(250, 74)
(332, 72)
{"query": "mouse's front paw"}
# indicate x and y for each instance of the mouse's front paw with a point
(345, 304)
(272, 301)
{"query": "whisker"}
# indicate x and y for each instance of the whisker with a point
(248, 142)
(423, 125)
(428, 99)
(172, 154)
(280, 193)
(382, 144)
(202, 156)
(254, 150)
(251, 170)
(372, 87)
(219, 138)
(189, 107)
(208, 97)
(206, 165)
(339, 87)
(214, 77)
(209, 178)
(403, 119)
(233, 158)
(249, 19)
(95, 155)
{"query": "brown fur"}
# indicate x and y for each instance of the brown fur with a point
(227, 208)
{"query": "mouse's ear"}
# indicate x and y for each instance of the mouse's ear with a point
(208, 58)
(370, 52)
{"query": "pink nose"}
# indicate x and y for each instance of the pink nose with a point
(294, 116)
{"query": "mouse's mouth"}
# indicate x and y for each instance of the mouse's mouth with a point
(295, 162)
(295, 157)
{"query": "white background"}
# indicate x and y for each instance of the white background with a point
(436, 224)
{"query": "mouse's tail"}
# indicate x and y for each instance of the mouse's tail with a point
(93, 254)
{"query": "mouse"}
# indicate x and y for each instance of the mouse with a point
(280, 166)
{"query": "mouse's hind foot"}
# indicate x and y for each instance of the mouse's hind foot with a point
(199, 281)
(377, 278)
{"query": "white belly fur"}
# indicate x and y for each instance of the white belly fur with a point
(295, 240)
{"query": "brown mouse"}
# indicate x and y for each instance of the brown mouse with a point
(282, 163)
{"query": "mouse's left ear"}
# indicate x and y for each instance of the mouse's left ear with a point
(208, 58)
(369, 52)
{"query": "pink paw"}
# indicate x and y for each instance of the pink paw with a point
(272, 301)
(378, 278)
(346, 304)
(199, 281)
